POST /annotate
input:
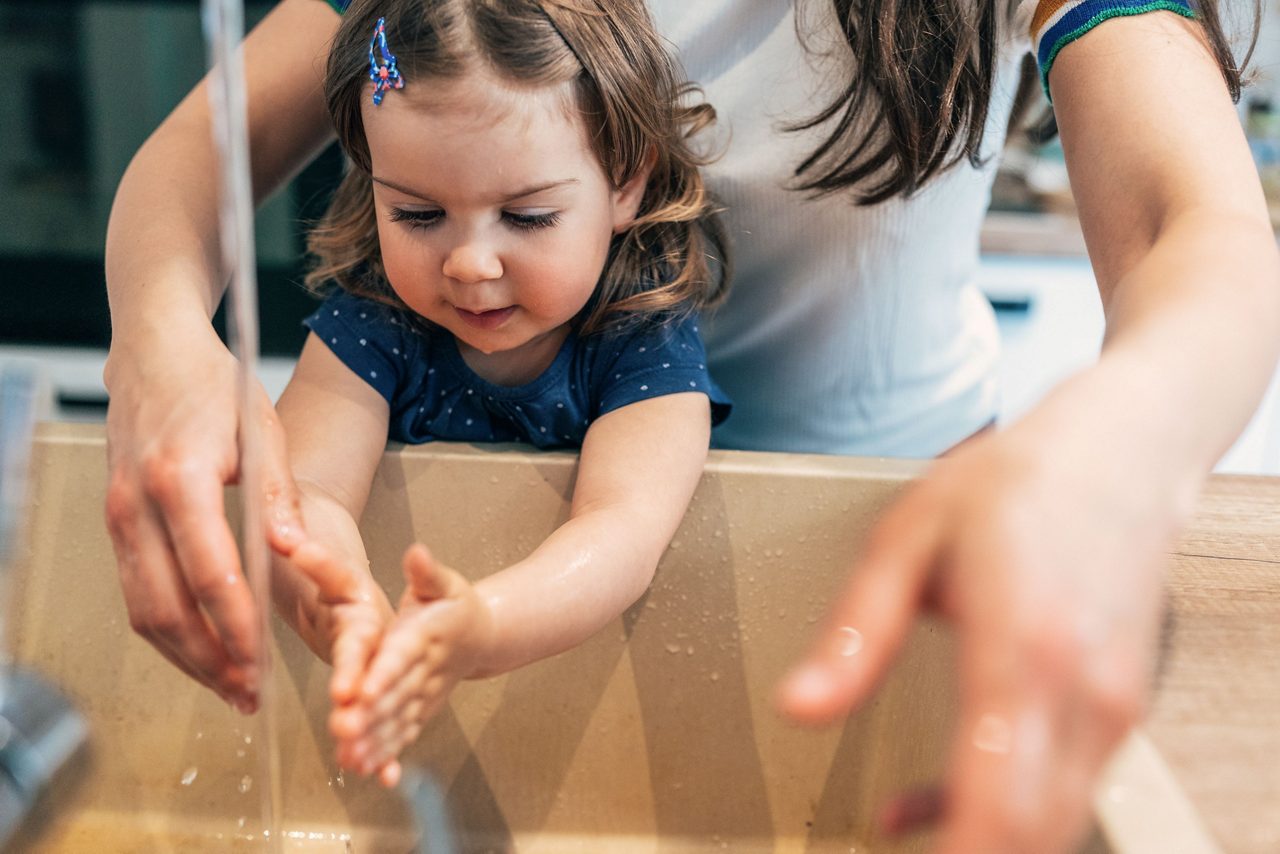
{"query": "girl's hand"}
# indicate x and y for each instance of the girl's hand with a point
(348, 620)
(439, 636)
(1046, 553)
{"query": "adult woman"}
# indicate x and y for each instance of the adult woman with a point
(1042, 542)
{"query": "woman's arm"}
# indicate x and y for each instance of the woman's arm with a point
(1045, 544)
(1181, 243)
(171, 424)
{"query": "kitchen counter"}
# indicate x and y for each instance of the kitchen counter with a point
(1216, 711)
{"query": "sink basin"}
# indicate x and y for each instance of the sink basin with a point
(656, 736)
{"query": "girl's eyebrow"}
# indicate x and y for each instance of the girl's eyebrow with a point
(519, 194)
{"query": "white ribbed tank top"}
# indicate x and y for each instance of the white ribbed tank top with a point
(848, 330)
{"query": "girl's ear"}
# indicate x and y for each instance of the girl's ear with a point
(627, 198)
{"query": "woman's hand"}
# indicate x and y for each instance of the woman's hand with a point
(439, 636)
(1045, 550)
(172, 442)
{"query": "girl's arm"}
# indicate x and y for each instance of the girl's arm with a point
(639, 467)
(1046, 543)
(637, 472)
(171, 425)
(336, 426)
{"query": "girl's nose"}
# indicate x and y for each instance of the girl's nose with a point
(472, 262)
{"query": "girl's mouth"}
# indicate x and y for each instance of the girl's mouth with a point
(491, 319)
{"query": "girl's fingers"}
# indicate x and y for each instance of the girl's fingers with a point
(336, 583)
(869, 621)
(427, 579)
(387, 706)
(352, 650)
(283, 505)
(405, 648)
(389, 774)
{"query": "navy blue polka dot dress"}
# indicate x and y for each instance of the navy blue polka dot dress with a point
(434, 395)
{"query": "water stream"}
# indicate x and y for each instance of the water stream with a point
(223, 30)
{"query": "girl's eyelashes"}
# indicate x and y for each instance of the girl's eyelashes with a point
(427, 218)
(530, 222)
(417, 219)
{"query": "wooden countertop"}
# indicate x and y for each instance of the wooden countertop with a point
(1215, 716)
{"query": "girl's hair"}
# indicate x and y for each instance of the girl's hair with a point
(916, 101)
(626, 89)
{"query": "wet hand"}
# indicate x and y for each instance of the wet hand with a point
(1048, 562)
(172, 442)
(350, 615)
(438, 637)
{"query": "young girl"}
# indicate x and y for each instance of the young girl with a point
(521, 248)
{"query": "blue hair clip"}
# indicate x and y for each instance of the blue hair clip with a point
(384, 75)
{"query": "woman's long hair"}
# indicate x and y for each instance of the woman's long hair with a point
(917, 100)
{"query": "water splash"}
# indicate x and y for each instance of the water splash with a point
(850, 641)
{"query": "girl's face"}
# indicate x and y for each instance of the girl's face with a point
(494, 216)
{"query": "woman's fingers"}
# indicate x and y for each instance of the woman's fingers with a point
(1042, 707)
(870, 619)
(161, 606)
(209, 559)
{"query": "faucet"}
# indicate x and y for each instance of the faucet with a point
(425, 799)
(40, 732)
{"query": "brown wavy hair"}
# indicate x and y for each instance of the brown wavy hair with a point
(916, 101)
(670, 262)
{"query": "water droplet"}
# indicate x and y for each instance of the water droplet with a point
(715, 676)
(850, 641)
(240, 821)
(240, 753)
(199, 735)
(246, 783)
(248, 739)
(189, 776)
(688, 650)
(673, 648)
(992, 734)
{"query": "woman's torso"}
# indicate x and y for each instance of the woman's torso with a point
(848, 329)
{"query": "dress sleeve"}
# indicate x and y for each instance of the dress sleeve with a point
(1057, 23)
(369, 337)
(653, 361)
(340, 6)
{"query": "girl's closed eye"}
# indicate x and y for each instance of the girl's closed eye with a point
(416, 219)
(531, 221)
(524, 221)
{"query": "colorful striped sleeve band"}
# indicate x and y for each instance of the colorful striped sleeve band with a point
(1057, 23)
